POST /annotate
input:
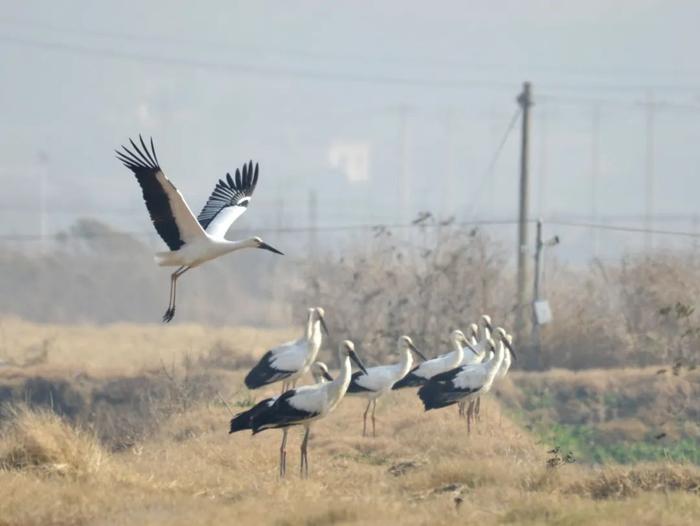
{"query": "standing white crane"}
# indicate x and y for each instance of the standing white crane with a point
(429, 368)
(192, 240)
(481, 347)
(291, 360)
(306, 404)
(244, 419)
(467, 382)
(378, 381)
(471, 358)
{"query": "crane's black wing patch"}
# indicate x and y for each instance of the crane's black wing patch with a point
(354, 387)
(144, 164)
(265, 373)
(281, 414)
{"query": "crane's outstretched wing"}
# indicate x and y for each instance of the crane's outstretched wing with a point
(173, 219)
(228, 201)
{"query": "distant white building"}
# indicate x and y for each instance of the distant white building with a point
(351, 158)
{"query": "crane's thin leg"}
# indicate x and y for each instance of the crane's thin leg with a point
(461, 409)
(284, 386)
(304, 455)
(374, 408)
(364, 419)
(170, 313)
(470, 406)
(470, 414)
(477, 409)
(283, 453)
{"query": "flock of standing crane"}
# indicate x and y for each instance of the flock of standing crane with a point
(460, 376)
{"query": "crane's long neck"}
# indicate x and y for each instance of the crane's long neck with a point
(406, 363)
(309, 326)
(313, 339)
(226, 246)
(485, 333)
(495, 364)
(339, 386)
(458, 351)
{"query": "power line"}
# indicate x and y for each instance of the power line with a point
(282, 230)
(361, 227)
(488, 173)
(637, 230)
(564, 69)
(255, 70)
(619, 103)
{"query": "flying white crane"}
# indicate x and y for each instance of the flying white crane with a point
(306, 404)
(291, 360)
(192, 240)
(377, 381)
(429, 368)
(244, 419)
(467, 382)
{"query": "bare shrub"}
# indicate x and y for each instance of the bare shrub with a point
(424, 287)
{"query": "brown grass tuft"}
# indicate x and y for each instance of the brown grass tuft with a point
(618, 482)
(40, 440)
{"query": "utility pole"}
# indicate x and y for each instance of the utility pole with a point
(649, 174)
(404, 173)
(313, 218)
(539, 245)
(43, 159)
(525, 101)
(595, 175)
(541, 313)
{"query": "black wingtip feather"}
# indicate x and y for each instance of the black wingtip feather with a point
(410, 380)
(432, 396)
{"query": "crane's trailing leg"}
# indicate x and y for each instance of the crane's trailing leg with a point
(304, 472)
(374, 408)
(170, 313)
(470, 416)
(283, 454)
(477, 409)
(364, 419)
(461, 409)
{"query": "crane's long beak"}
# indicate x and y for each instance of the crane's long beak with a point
(471, 347)
(358, 362)
(265, 246)
(510, 349)
(420, 354)
(323, 324)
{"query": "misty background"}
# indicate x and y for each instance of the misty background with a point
(360, 114)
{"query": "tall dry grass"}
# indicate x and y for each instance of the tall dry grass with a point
(422, 469)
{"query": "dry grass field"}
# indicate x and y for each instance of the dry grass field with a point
(183, 468)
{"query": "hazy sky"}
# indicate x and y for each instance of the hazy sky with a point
(218, 83)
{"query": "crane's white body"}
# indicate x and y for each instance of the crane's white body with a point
(298, 355)
(379, 380)
(478, 378)
(442, 363)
